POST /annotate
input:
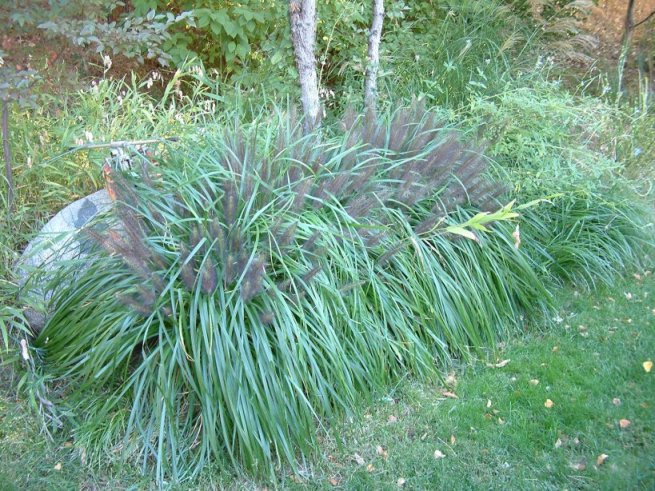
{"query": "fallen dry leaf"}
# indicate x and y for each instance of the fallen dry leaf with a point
(624, 423)
(500, 364)
(57, 466)
(555, 349)
(648, 366)
(334, 481)
(370, 468)
(447, 393)
(451, 380)
(488, 402)
(392, 419)
(401, 482)
(616, 401)
(501, 421)
(628, 295)
(601, 459)
(549, 403)
(558, 443)
(517, 237)
(534, 381)
(438, 454)
(68, 444)
(23, 350)
(359, 459)
(453, 440)
(381, 452)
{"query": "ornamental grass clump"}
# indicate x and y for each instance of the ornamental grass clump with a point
(263, 281)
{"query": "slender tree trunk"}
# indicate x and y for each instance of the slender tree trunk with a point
(374, 37)
(302, 18)
(626, 41)
(7, 155)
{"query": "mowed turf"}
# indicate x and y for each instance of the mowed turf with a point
(492, 427)
(570, 405)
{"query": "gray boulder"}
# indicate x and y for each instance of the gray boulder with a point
(57, 241)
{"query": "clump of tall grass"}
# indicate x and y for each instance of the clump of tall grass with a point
(452, 51)
(588, 238)
(578, 150)
(260, 282)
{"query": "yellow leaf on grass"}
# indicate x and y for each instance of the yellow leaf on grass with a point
(500, 364)
(624, 423)
(370, 468)
(453, 440)
(578, 466)
(648, 366)
(58, 466)
(549, 403)
(601, 459)
(534, 381)
(447, 393)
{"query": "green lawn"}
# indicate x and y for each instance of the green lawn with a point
(496, 434)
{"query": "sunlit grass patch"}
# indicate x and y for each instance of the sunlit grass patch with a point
(499, 433)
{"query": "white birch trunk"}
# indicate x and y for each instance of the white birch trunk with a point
(302, 18)
(375, 34)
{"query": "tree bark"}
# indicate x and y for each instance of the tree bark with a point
(626, 41)
(302, 19)
(7, 155)
(374, 37)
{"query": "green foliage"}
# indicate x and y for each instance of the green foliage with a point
(134, 37)
(15, 85)
(550, 140)
(266, 281)
(247, 40)
(101, 25)
(587, 238)
(450, 51)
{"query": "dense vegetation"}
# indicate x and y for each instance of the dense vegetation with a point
(263, 282)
